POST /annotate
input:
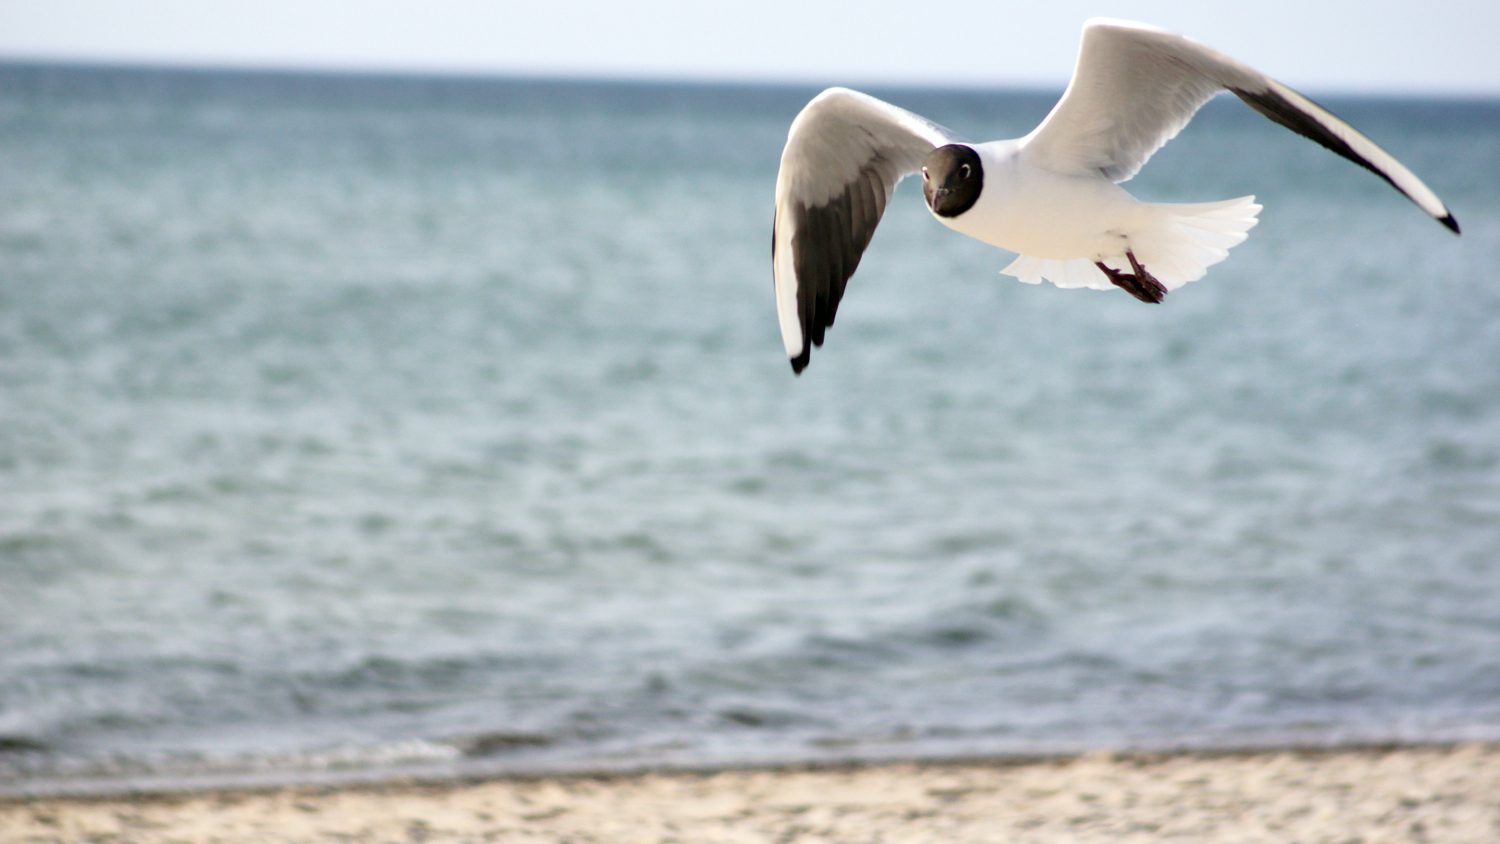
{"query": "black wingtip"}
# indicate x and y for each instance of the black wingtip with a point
(1450, 223)
(799, 362)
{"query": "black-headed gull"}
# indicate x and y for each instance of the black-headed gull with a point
(1051, 197)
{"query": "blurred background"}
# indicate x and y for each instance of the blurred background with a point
(1377, 47)
(395, 385)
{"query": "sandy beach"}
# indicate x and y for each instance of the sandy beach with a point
(1366, 795)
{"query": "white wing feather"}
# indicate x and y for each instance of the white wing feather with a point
(1135, 87)
(845, 151)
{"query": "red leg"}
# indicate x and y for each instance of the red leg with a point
(1142, 284)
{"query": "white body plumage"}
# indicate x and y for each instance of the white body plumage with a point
(1060, 225)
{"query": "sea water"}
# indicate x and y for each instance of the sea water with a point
(357, 422)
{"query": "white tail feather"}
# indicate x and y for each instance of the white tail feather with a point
(1177, 246)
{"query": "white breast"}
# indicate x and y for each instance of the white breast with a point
(1046, 215)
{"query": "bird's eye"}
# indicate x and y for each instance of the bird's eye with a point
(924, 172)
(964, 171)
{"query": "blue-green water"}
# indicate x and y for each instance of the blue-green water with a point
(352, 422)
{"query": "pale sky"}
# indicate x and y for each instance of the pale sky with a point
(1351, 46)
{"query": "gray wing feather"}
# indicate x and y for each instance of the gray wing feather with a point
(844, 155)
(1135, 87)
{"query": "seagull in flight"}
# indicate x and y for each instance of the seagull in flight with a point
(1053, 196)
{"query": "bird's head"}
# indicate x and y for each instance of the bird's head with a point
(951, 179)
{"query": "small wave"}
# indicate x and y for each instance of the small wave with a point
(492, 744)
(22, 744)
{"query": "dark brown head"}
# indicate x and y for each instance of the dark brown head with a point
(952, 179)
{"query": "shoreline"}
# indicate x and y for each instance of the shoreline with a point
(1374, 792)
(469, 771)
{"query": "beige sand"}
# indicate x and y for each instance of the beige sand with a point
(1423, 794)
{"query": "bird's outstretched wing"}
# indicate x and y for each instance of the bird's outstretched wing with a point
(1136, 86)
(844, 155)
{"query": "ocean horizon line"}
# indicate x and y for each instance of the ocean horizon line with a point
(145, 68)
